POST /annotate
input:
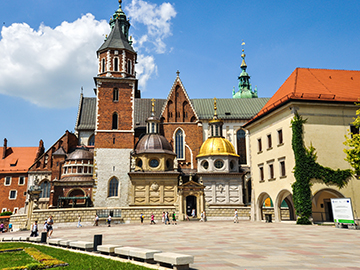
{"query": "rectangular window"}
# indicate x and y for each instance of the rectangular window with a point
(7, 181)
(269, 141)
(259, 145)
(280, 136)
(16, 210)
(261, 172)
(271, 171)
(282, 167)
(12, 195)
(21, 180)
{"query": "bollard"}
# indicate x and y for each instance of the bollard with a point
(43, 237)
(97, 241)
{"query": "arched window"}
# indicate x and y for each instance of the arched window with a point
(241, 145)
(129, 66)
(113, 187)
(103, 65)
(116, 64)
(116, 94)
(115, 121)
(45, 189)
(179, 144)
(91, 140)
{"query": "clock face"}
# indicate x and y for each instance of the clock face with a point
(154, 163)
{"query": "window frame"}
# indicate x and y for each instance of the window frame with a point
(179, 149)
(115, 95)
(7, 177)
(20, 177)
(115, 191)
(259, 145)
(282, 167)
(280, 137)
(13, 190)
(271, 170)
(261, 172)
(114, 122)
(269, 141)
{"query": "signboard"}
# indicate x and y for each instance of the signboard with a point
(342, 210)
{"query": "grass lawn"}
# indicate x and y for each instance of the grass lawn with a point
(17, 258)
(75, 260)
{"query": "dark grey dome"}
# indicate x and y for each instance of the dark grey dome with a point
(81, 154)
(153, 143)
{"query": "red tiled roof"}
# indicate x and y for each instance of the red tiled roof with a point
(310, 84)
(20, 157)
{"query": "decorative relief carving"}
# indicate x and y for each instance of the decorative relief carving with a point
(155, 186)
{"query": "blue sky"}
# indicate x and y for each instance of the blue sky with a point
(44, 62)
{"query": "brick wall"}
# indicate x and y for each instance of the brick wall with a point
(19, 201)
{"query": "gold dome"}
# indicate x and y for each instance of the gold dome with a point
(217, 146)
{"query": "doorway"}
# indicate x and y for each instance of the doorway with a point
(190, 205)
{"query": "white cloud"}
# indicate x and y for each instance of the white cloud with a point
(48, 66)
(156, 18)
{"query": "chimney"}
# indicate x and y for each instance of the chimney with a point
(40, 150)
(4, 148)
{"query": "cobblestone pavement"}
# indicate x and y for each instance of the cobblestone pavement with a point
(227, 245)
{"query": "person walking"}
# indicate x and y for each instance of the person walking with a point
(2, 227)
(174, 219)
(236, 217)
(152, 219)
(96, 220)
(79, 222)
(34, 229)
(109, 221)
(193, 213)
(163, 218)
(50, 223)
(202, 217)
(142, 218)
(45, 226)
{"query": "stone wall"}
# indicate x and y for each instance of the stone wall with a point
(227, 212)
(18, 221)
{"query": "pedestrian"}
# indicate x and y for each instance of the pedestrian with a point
(163, 218)
(193, 213)
(10, 227)
(142, 218)
(96, 220)
(152, 219)
(109, 221)
(79, 222)
(34, 229)
(187, 217)
(174, 219)
(45, 226)
(50, 223)
(167, 217)
(202, 217)
(236, 217)
(2, 227)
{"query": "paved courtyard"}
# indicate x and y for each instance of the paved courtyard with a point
(226, 245)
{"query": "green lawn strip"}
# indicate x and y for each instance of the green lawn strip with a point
(15, 259)
(76, 260)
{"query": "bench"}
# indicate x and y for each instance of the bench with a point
(147, 255)
(7, 239)
(54, 241)
(178, 261)
(64, 243)
(110, 249)
(35, 239)
(82, 245)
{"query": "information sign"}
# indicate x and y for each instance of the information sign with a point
(342, 210)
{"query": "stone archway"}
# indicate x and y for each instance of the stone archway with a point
(284, 214)
(77, 192)
(260, 210)
(321, 204)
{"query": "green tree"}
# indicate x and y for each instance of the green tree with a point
(353, 143)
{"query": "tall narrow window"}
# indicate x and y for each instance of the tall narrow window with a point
(129, 67)
(21, 180)
(116, 64)
(115, 121)
(259, 145)
(280, 136)
(271, 171)
(103, 65)
(116, 94)
(45, 189)
(113, 187)
(261, 173)
(179, 144)
(269, 141)
(241, 145)
(282, 167)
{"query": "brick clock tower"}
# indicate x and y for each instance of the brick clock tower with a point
(116, 89)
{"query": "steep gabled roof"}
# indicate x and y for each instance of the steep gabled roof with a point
(86, 114)
(309, 84)
(179, 82)
(18, 159)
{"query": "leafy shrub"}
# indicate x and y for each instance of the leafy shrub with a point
(6, 213)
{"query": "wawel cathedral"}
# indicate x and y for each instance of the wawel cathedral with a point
(129, 151)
